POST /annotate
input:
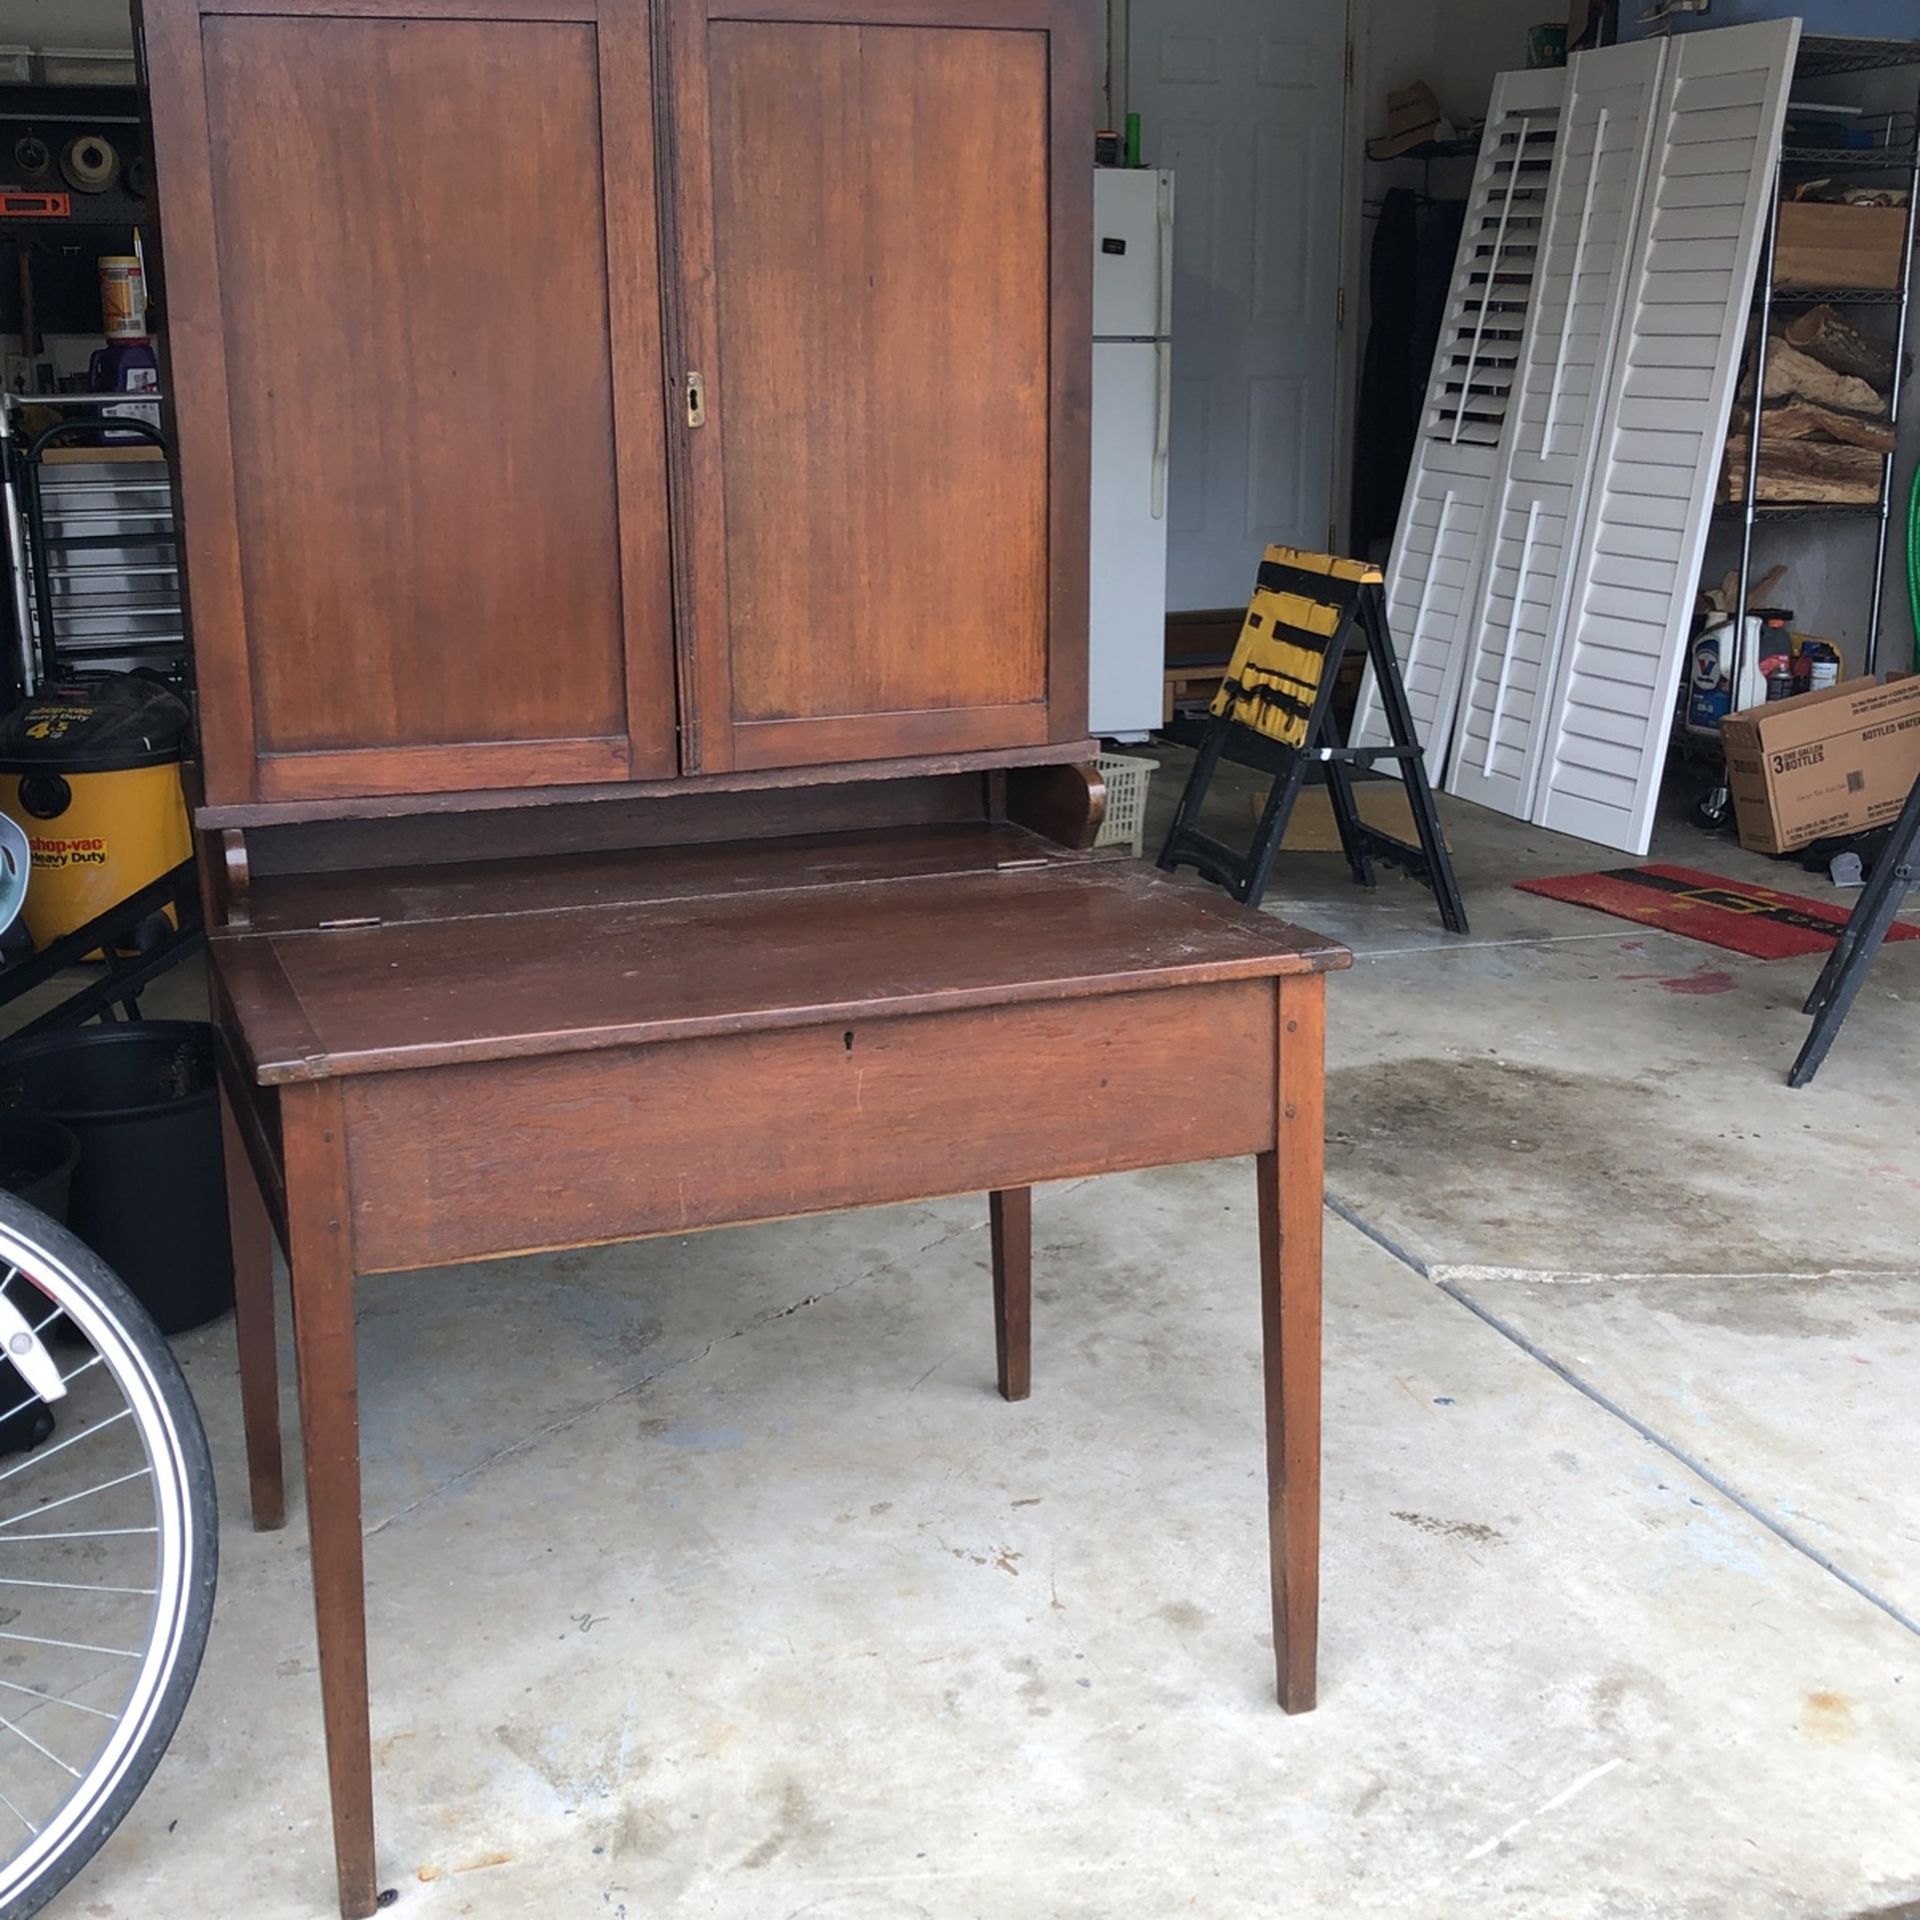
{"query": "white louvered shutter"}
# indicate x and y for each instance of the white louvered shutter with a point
(1437, 549)
(1586, 233)
(1670, 394)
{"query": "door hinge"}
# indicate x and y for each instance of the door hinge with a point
(1350, 63)
(1340, 308)
(696, 401)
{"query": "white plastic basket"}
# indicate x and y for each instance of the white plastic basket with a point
(1127, 777)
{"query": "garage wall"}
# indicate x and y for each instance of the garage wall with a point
(65, 23)
(1457, 50)
(1471, 44)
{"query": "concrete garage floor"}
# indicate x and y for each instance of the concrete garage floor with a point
(709, 1577)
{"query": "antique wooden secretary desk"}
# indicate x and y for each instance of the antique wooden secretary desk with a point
(633, 466)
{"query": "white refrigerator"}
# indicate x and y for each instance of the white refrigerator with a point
(1132, 397)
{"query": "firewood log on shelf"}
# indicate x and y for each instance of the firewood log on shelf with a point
(1823, 335)
(1793, 375)
(1802, 420)
(1805, 473)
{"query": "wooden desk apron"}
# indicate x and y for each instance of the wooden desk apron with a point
(457, 1163)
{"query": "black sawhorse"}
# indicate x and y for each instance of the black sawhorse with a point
(1894, 874)
(1274, 713)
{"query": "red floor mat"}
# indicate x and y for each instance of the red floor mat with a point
(1704, 906)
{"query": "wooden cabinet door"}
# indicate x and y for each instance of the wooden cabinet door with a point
(412, 287)
(884, 282)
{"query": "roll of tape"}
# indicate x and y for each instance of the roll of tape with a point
(90, 162)
(32, 157)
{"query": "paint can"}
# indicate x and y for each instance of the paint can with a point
(123, 297)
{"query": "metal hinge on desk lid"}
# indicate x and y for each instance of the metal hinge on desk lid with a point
(696, 401)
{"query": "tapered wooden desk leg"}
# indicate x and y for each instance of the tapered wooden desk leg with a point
(320, 1253)
(1011, 1212)
(1290, 1186)
(252, 1236)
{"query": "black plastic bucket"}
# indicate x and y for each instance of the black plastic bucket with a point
(37, 1158)
(149, 1194)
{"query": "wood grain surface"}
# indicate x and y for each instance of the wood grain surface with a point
(568, 1150)
(1290, 1182)
(441, 548)
(384, 998)
(881, 251)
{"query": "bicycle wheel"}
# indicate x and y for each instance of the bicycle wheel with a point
(108, 1551)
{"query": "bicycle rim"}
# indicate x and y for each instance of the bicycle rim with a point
(106, 1560)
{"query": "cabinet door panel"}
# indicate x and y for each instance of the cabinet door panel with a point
(442, 487)
(896, 387)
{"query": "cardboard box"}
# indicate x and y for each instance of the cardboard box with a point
(1828, 245)
(1823, 764)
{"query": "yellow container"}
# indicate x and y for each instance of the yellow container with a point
(91, 773)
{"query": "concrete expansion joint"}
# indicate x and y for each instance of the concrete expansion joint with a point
(1455, 1290)
(1559, 1277)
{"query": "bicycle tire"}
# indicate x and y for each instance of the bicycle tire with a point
(97, 1300)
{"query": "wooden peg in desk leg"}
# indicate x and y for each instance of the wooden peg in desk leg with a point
(252, 1237)
(1290, 1180)
(1011, 1213)
(320, 1255)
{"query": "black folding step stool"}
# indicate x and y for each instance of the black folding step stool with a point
(1274, 713)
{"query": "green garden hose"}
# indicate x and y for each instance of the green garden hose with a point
(1913, 566)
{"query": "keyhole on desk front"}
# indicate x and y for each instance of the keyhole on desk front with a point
(847, 1037)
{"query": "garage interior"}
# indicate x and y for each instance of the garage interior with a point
(706, 1573)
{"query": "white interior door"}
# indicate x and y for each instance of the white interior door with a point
(1711, 175)
(1584, 237)
(1245, 101)
(1438, 558)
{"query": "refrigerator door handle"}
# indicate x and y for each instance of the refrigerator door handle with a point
(1164, 325)
(1162, 422)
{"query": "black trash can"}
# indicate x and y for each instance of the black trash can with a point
(149, 1194)
(37, 1158)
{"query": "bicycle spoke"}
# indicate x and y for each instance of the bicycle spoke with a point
(18, 1815)
(13, 1274)
(80, 1586)
(72, 1646)
(67, 1500)
(66, 1379)
(44, 1454)
(57, 1700)
(37, 1747)
(78, 1533)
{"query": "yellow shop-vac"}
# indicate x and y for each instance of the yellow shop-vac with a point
(90, 771)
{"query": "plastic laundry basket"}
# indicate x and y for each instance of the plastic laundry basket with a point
(1127, 777)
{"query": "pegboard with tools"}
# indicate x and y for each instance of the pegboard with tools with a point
(75, 182)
